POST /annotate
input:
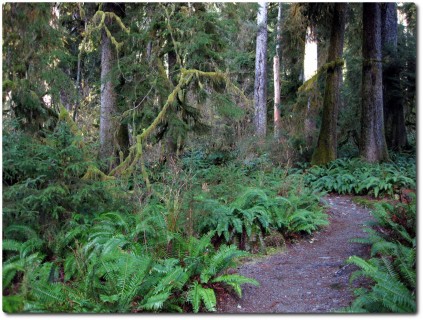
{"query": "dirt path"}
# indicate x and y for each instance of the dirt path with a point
(311, 276)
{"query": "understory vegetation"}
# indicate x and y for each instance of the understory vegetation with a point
(392, 266)
(145, 156)
(73, 243)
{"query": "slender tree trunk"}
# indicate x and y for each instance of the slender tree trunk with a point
(277, 88)
(326, 150)
(260, 97)
(276, 76)
(107, 99)
(172, 140)
(372, 141)
(396, 136)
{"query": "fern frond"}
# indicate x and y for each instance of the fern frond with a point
(222, 259)
(197, 294)
(154, 302)
(235, 281)
(11, 245)
(194, 297)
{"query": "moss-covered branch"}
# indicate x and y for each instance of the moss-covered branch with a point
(135, 152)
(329, 66)
(169, 27)
(99, 21)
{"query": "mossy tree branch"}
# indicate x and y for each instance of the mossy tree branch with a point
(135, 152)
(309, 84)
(99, 21)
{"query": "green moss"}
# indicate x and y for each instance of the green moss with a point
(93, 173)
(330, 66)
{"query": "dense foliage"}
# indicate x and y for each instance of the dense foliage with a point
(354, 176)
(72, 243)
(392, 266)
(187, 190)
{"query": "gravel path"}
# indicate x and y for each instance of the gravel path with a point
(311, 276)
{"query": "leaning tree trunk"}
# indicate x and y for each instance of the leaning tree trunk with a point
(260, 110)
(327, 144)
(372, 141)
(396, 137)
(276, 76)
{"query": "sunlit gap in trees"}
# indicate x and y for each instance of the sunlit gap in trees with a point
(310, 56)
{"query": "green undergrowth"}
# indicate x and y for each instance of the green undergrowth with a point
(391, 270)
(354, 176)
(75, 242)
(80, 243)
(103, 273)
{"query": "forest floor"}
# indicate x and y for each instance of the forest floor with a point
(309, 276)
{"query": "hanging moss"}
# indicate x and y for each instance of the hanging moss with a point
(100, 17)
(135, 152)
(93, 173)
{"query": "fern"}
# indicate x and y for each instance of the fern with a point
(235, 281)
(353, 176)
(391, 268)
(221, 260)
(154, 302)
(198, 294)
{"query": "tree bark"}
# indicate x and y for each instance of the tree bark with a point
(396, 136)
(111, 132)
(326, 150)
(372, 141)
(277, 88)
(107, 99)
(276, 76)
(260, 92)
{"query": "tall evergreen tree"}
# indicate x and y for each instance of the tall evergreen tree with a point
(372, 141)
(326, 150)
(276, 75)
(260, 92)
(113, 135)
(396, 136)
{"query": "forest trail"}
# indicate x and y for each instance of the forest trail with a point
(311, 276)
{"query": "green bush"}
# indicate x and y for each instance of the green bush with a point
(42, 183)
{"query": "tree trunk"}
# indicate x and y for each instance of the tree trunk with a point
(396, 137)
(277, 88)
(372, 141)
(326, 150)
(276, 76)
(107, 99)
(260, 110)
(111, 132)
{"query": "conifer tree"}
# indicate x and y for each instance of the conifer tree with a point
(276, 75)
(260, 91)
(326, 150)
(113, 135)
(372, 141)
(393, 111)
